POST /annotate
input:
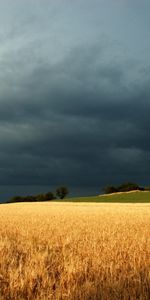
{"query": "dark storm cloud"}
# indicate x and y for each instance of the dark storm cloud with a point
(83, 121)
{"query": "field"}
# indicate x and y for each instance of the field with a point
(74, 251)
(128, 197)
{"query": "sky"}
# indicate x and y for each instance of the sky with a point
(74, 94)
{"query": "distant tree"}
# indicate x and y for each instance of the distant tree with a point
(29, 198)
(22, 199)
(62, 192)
(145, 188)
(142, 188)
(129, 186)
(49, 196)
(40, 197)
(15, 199)
(125, 187)
(110, 189)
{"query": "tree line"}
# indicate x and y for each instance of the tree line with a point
(60, 193)
(125, 187)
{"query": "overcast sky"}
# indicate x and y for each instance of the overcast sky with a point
(74, 93)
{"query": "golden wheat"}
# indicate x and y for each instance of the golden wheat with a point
(74, 251)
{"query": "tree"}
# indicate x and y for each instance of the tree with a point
(40, 197)
(15, 199)
(110, 189)
(62, 192)
(125, 187)
(49, 196)
(29, 198)
(129, 186)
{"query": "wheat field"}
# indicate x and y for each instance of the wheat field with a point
(74, 251)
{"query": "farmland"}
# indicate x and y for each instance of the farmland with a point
(127, 197)
(74, 251)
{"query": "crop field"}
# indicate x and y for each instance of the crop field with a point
(75, 251)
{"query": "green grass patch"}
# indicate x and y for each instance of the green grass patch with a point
(133, 197)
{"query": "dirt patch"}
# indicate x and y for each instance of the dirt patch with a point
(117, 193)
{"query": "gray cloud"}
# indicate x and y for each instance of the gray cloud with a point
(80, 122)
(79, 118)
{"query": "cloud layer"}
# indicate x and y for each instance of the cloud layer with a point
(81, 119)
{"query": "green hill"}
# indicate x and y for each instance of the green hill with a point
(124, 197)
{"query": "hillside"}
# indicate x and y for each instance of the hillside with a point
(119, 197)
(124, 197)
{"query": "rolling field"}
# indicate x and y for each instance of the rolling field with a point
(127, 197)
(75, 251)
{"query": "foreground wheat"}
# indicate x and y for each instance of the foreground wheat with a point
(74, 251)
